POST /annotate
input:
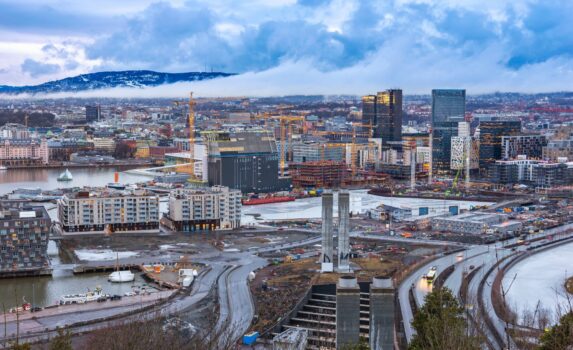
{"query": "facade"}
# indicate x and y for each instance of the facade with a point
(61, 150)
(491, 133)
(463, 148)
(93, 114)
(208, 209)
(314, 152)
(476, 223)
(326, 174)
(442, 133)
(246, 160)
(388, 125)
(383, 112)
(24, 236)
(23, 152)
(528, 145)
(109, 210)
(448, 105)
(547, 175)
(104, 144)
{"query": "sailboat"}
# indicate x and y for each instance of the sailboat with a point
(121, 276)
(65, 176)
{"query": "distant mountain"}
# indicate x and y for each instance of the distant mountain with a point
(106, 80)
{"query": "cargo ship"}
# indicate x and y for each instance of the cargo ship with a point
(267, 200)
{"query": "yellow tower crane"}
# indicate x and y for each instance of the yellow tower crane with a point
(191, 117)
(286, 122)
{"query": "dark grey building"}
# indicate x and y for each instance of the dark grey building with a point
(448, 108)
(93, 113)
(383, 112)
(448, 105)
(246, 160)
(491, 133)
(347, 312)
(529, 145)
(24, 235)
(442, 133)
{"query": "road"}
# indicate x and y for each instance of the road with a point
(484, 257)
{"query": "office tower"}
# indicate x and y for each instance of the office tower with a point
(491, 133)
(327, 239)
(343, 231)
(347, 312)
(383, 112)
(93, 113)
(448, 108)
(448, 105)
(389, 116)
(246, 160)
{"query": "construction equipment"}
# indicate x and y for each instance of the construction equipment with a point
(191, 119)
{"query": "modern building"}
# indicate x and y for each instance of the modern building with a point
(314, 152)
(215, 208)
(490, 145)
(448, 105)
(383, 112)
(528, 145)
(246, 160)
(109, 210)
(388, 125)
(93, 114)
(326, 174)
(104, 144)
(464, 148)
(442, 133)
(24, 236)
(476, 223)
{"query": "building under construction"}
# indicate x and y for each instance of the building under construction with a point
(321, 174)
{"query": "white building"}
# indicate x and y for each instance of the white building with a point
(214, 208)
(109, 210)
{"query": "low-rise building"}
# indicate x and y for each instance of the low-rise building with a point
(109, 210)
(104, 144)
(214, 208)
(476, 223)
(24, 235)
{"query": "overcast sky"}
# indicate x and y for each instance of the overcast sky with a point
(297, 47)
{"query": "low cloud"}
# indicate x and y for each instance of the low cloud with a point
(36, 69)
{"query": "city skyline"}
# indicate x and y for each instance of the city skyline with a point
(288, 47)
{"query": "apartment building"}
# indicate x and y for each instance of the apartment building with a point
(109, 211)
(214, 208)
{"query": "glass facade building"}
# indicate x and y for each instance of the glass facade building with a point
(448, 105)
(491, 133)
(384, 112)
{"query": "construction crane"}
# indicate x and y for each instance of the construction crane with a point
(286, 122)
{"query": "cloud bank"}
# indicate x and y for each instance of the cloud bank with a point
(329, 46)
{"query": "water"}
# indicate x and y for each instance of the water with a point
(539, 281)
(47, 179)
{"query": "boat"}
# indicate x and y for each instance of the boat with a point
(267, 200)
(121, 276)
(65, 176)
(116, 186)
(2, 167)
(83, 297)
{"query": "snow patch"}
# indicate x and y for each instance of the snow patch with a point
(102, 254)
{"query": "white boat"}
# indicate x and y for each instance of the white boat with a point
(121, 276)
(2, 167)
(65, 176)
(83, 297)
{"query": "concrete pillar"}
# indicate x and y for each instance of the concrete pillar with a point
(413, 168)
(381, 314)
(347, 312)
(326, 257)
(343, 231)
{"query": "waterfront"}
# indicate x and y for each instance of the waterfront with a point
(47, 179)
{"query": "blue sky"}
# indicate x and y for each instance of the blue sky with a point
(304, 46)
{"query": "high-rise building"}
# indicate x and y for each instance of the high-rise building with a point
(389, 116)
(383, 112)
(491, 133)
(448, 105)
(93, 113)
(448, 109)
(246, 160)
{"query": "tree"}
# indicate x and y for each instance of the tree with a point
(440, 324)
(62, 341)
(560, 336)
